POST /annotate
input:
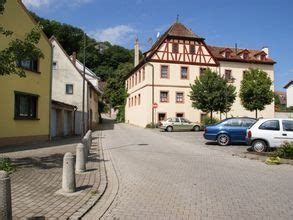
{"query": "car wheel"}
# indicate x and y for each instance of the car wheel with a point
(259, 146)
(196, 128)
(223, 139)
(169, 129)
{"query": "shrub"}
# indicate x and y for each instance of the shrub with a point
(150, 125)
(6, 165)
(207, 121)
(285, 151)
(120, 117)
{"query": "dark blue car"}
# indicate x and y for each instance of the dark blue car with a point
(230, 130)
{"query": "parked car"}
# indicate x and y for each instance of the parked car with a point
(231, 130)
(178, 124)
(269, 133)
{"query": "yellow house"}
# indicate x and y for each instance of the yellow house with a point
(25, 102)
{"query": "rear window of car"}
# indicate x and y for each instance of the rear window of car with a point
(270, 125)
(248, 122)
(235, 122)
(287, 125)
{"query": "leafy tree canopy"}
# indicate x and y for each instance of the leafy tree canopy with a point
(255, 90)
(102, 57)
(211, 93)
(18, 49)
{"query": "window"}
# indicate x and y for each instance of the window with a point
(69, 88)
(270, 125)
(179, 115)
(54, 65)
(164, 71)
(179, 97)
(287, 125)
(129, 102)
(227, 54)
(90, 91)
(164, 96)
(245, 56)
(262, 57)
(31, 65)
(192, 49)
(138, 99)
(202, 71)
(25, 106)
(135, 78)
(184, 72)
(233, 122)
(161, 116)
(143, 73)
(175, 48)
(228, 75)
(134, 100)
(248, 122)
(139, 77)
(174, 120)
(183, 120)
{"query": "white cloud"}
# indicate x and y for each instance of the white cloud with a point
(120, 34)
(37, 3)
(54, 3)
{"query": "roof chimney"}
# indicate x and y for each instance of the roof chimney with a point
(73, 58)
(136, 53)
(266, 50)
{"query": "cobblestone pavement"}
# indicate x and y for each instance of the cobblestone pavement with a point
(164, 177)
(38, 179)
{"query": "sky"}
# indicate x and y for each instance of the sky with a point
(251, 24)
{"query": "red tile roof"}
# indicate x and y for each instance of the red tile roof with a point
(235, 55)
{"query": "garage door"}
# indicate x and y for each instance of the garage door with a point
(53, 123)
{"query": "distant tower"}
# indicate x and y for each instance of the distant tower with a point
(136, 52)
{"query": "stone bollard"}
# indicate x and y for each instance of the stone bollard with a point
(80, 159)
(5, 196)
(86, 150)
(68, 178)
(90, 138)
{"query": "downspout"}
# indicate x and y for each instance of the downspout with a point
(74, 118)
(50, 95)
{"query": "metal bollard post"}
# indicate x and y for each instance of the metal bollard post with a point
(5, 196)
(68, 178)
(80, 159)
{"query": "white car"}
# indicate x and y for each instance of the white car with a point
(269, 133)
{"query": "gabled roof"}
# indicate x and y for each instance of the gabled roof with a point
(53, 38)
(288, 84)
(177, 30)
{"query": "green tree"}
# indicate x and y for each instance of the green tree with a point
(277, 102)
(115, 93)
(255, 90)
(211, 93)
(18, 49)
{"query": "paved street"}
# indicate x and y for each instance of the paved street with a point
(167, 176)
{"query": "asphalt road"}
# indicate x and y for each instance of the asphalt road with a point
(178, 176)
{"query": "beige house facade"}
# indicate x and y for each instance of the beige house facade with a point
(67, 89)
(165, 73)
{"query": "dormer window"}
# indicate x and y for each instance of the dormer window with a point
(227, 54)
(245, 55)
(262, 57)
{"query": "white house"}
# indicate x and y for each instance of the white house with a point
(67, 88)
(289, 93)
(165, 73)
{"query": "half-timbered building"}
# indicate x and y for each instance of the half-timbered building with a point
(166, 71)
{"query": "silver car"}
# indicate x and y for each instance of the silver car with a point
(178, 124)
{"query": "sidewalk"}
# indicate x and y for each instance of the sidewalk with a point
(38, 179)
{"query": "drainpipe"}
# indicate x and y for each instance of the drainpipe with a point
(153, 89)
